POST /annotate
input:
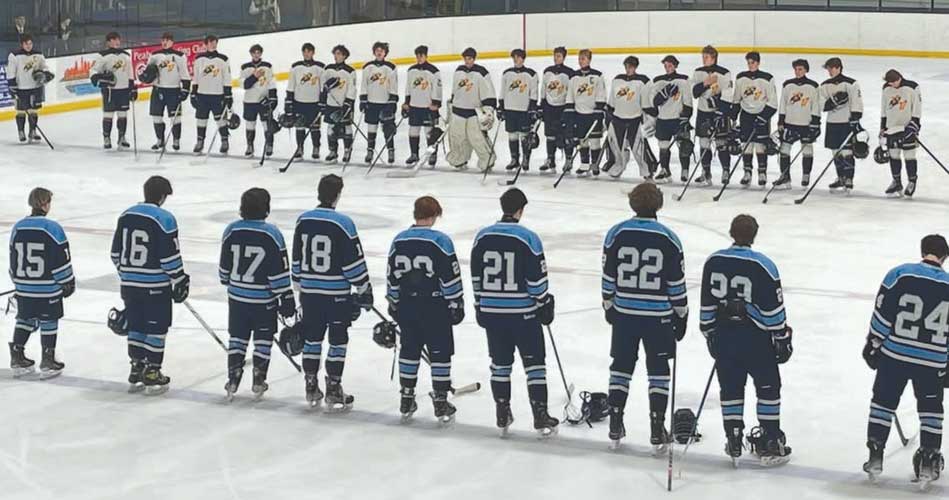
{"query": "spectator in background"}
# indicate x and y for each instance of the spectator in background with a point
(268, 14)
(19, 22)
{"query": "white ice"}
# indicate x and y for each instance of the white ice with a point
(81, 436)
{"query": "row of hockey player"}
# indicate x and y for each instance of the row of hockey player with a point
(643, 291)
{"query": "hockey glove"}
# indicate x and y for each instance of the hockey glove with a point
(364, 299)
(228, 102)
(912, 128)
(68, 289)
(288, 305)
(782, 345)
(814, 129)
(405, 111)
(194, 101)
(500, 114)
(181, 289)
(837, 100)
(393, 312)
(363, 104)
(183, 93)
(855, 126)
(711, 341)
(871, 354)
(456, 311)
(679, 324)
(133, 94)
(608, 310)
(546, 311)
(355, 309)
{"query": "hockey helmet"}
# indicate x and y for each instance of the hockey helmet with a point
(117, 322)
(300, 121)
(286, 120)
(533, 140)
(273, 126)
(233, 121)
(384, 334)
(291, 338)
(860, 145)
(881, 154)
(149, 74)
(685, 426)
(684, 139)
(733, 146)
(595, 406)
(42, 76)
(485, 117)
(435, 134)
(771, 143)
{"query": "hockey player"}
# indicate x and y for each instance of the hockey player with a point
(648, 306)
(145, 253)
(585, 113)
(473, 102)
(27, 73)
(798, 120)
(328, 264)
(509, 276)
(757, 101)
(843, 103)
(713, 92)
(517, 108)
(629, 97)
(304, 91)
(339, 101)
(112, 73)
(167, 72)
(899, 126)
(260, 99)
(426, 298)
(378, 99)
(553, 100)
(255, 270)
(41, 271)
(423, 101)
(671, 101)
(907, 342)
(211, 93)
(744, 324)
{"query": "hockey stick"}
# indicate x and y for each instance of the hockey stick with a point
(385, 146)
(493, 156)
(430, 150)
(698, 415)
(695, 169)
(205, 325)
(164, 143)
(574, 155)
(569, 410)
(356, 126)
(316, 121)
(8, 292)
(899, 430)
(217, 129)
(931, 155)
(520, 167)
(672, 412)
(773, 186)
(38, 129)
(731, 172)
(824, 171)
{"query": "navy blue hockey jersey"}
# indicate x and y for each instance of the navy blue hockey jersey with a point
(39, 258)
(742, 273)
(508, 269)
(254, 264)
(643, 270)
(327, 256)
(429, 256)
(911, 318)
(145, 248)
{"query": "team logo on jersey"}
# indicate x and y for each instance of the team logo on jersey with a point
(30, 64)
(211, 70)
(167, 64)
(310, 79)
(555, 87)
(118, 64)
(517, 85)
(800, 98)
(466, 84)
(897, 102)
(420, 83)
(754, 92)
(379, 78)
(627, 93)
(586, 87)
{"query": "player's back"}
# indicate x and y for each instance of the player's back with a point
(508, 269)
(39, 258)
(327, 257)
(253, 262)
(912, 314)
(423, 267)
(145, 247)
(740, 273)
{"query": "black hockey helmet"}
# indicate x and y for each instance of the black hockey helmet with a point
(384, 334)
(533, 140)
(435, 134)
(42, 76)
(117, 322)
(860, 145)
(595, 406)
(286, 120)
(290, 340)
(233, 121)
(685, 426)
(881, 154)
(149, 74)
(734, 147)
(274, 126)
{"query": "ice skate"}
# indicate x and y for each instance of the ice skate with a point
(407, 404)
(155, 381)
(746, 178)
(158, 146)
(347, 155)
(805, 180)
(762, 178)
(391, 157)
(412, 160)
(874, 465)
(332, 157)
(928, 465)
(658, 437)
(337, 401)
(513, 165)
(249, 152)
(504, 416)
(370, 155)
(895, 189)
(444, 411)
(21, 135)
(19, 363)
(837, 185)
(135, 376)
(123, 142)
(544, 424)
(49, 367)
(225, 145)
(176, 144)
(734, 445)
(550, 164)
(314, 396)
(617, 427)
(233, 382)
(663, 176)
(783, 182)
(315, 154)
(198, 147)
(260, 385)
(910, 189)
(107, 142)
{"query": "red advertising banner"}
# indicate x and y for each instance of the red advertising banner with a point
(190, 49)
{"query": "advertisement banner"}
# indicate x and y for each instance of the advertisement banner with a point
(75, 80)
(190, 49)
(6, 98)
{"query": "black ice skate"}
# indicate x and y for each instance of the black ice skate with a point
(21, 135)
(49, 367)
(837, 185)
(544, 424)
(772, 449)
(444, 411)
(176, 144)
(19, 363)
(928, 465)
(347, 155)
(155, 381)
(298, 154)
(726, 176)
(106, 142)
(783, 182)
(513, 165)
(617, 427)
(658, 435)
(199, 146)
(895, 189)
(225, 145)
(433, 158)
(268, 148)
(332, 157)
(412, 160)
(315, 155)
(249, 151)
(550, 165)
(663, 176)
(762, 178)
(910, 189)
(135, 376)
(123, 142)
(874, 465)
(848, 186)
(158, 146)
(233, 382)
(314, 395)
(337, 401)
(391, 156)
(370, 155)
(734, 445)
(684, 176)
(259, 386)
(746, 178)
(505, 418)
(705, 179)
(407, 404)
(805, 180)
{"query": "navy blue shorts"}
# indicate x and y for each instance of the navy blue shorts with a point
(553, 116)
(666, 129)
(207, 105)
(115, 99)
(583, 123)
(376, 113)
(426, 326)
(422, 117)
(526, 336)
(148, 310)
(795, 133)
(750, 129)
(254, 111)
(654, 333)
(517, 121)
(164, 101)
(30, 99)
(257, 319)
(705, 124)
(36, 308)
(835, 134)
(307, 111)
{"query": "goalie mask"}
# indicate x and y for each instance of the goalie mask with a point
(384, 334)
(881, 155)
(117, 322)
(149, 74)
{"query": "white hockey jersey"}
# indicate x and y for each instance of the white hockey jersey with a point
(518, 89)
(852, 110)
(258, 80)
(755, 93)
(423, 86)
(344, 93)
(679, 104)
(306, 81)
(556, 82)
(800, 103)
(900, 106)
(212, 74)
(472, 88)
(380, 83)
(119, 62)
(718, 96)
(587, 91)
(20, 68)
(172, 69)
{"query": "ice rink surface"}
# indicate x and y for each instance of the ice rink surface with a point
(80, 436)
